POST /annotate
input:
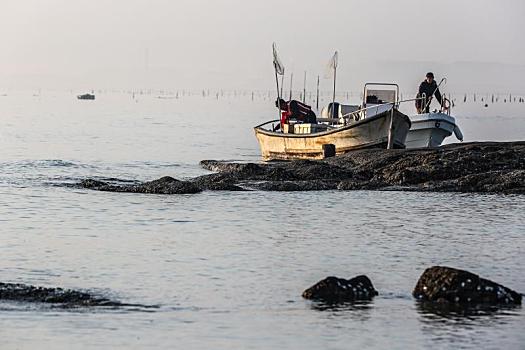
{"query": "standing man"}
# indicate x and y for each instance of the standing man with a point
(427, 88)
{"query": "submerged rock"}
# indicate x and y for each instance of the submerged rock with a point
(448, 285)
(333, 290)
(66, 297)
(164, 185)
(291, 186)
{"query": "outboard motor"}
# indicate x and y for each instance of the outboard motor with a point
(334, 110)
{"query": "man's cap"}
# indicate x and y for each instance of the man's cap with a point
(430, 75)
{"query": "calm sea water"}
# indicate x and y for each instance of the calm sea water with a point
(226, 270)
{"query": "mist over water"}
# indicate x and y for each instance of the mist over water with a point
(66, 44)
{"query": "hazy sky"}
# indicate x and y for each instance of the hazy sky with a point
(227, 43)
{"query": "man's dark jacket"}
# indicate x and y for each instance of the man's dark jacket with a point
(428, 90)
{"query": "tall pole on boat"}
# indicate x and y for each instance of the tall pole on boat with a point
(279, 70)
(282, 85)
(333, 65)
(304, 88)
(291, 82)
(278, 95)
(317, 99)
(333, 96)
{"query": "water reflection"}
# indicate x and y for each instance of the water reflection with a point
(473, 327)
(479, 315)
(357, 310)
(120, 308)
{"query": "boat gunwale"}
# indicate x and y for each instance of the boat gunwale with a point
(442, 117)
(259, 128)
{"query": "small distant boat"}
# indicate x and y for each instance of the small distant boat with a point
(86, 97)
(430, 129)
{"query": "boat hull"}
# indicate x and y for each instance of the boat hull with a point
(430, 129)
(367, 133)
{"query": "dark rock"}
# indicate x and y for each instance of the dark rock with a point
(67, 297)
(349, 185)
(222, 186)
(448, 285)
(307, 170)
(241, 170)
(298, 170)
(489, 167)
(333, 290)
(290, 186)
(217, 182)
(491, 182)
(164, 185)
(91, 183)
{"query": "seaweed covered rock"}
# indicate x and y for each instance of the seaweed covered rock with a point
(297, 170)
(488, 167)
(449, 285)
(293, 186)
(333, 290)
(164, 185)
(67, 297)
(216, 182)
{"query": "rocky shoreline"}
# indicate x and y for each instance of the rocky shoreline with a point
(484, 167)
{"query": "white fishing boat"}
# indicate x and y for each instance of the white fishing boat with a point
(376, 124)
(430, 129)
(314, 141)
(427, 129)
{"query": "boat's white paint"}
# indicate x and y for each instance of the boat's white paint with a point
(366, 133)
(430, 129)
(378, 109)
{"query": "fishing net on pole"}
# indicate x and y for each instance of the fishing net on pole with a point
(331, 66)
(279, 67)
